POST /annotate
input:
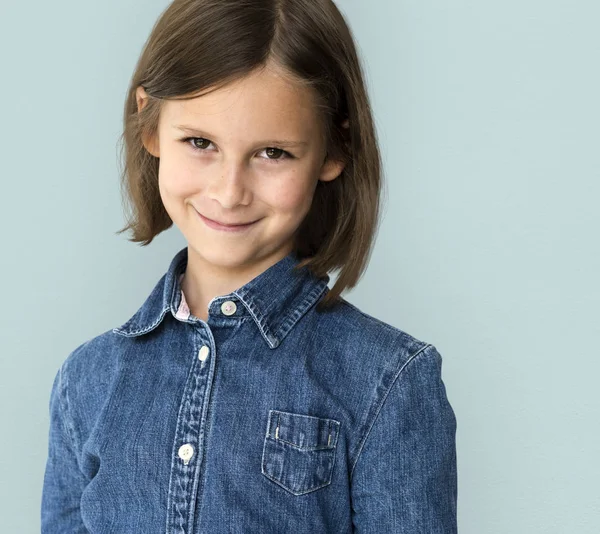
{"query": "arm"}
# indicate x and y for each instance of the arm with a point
(404, 479)
(63, 481)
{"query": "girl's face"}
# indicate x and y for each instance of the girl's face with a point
(222, 157)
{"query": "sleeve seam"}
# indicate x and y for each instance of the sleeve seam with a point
(66, 412)
(383, 401)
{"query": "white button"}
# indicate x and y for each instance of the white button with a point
(228, 307)
(203, 353)
(186, 452)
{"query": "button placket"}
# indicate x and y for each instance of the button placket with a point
(203, 353)
(189, 437)
(186, 452)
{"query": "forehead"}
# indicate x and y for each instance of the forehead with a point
(262, 101)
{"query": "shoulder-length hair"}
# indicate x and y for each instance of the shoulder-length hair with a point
(199, 45)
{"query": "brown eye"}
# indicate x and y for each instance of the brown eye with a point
(197, 141)
(278, 151)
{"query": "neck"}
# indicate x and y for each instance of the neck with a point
(203, 281)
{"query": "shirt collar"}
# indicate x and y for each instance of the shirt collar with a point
(275, 299)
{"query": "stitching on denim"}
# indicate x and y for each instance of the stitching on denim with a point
(307, 416)
(316, 448)
(332, 451)
(199, 481)
(274, 480)
(261, 322)
(274, 338)
(63, 404)
(129, 333)
(308, 301)
(328, 421)
(299, 492)
(381, 404)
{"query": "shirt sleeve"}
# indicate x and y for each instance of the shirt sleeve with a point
(404, 479)
(63, 481)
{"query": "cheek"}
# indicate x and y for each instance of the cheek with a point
(291, 196)
(176, 180)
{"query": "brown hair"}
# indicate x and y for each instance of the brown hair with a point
(201, 44)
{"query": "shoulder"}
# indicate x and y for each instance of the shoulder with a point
(83, 381)
(370, 359)
(374, 330)
(92, 355)
(377, 341)
(88, 371)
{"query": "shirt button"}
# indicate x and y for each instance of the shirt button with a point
(228, 307)
(203, 353)
(186, 452)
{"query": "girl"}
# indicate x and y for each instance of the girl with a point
(245, 396)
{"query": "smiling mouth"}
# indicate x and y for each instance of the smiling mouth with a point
(220, 226)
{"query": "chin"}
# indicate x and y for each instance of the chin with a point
(222, 255)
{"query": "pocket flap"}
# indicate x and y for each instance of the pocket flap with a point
(303, 431)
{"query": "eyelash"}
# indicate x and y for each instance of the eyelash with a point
(187, 140)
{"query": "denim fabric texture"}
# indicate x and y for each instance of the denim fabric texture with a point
(270, 417)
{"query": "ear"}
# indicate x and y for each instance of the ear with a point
(150, 143)
(331, 169)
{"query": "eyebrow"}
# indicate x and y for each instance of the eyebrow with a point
(191, 130)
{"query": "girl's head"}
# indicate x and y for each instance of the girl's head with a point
(218, 89)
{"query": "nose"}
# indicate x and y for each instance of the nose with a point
(229, 187)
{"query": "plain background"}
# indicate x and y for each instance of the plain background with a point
(488, 116)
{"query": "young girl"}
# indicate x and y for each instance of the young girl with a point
(245, 395)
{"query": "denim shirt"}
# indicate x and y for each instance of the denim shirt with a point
(269, 417)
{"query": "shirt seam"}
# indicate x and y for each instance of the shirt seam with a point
(383, 401)
(65, 412)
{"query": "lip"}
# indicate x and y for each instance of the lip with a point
(225, 227)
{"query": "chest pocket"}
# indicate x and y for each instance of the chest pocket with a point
(299, 451)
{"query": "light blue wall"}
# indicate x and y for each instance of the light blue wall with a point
(488, 117)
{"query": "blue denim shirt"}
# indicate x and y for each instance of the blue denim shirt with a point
(270, 417)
